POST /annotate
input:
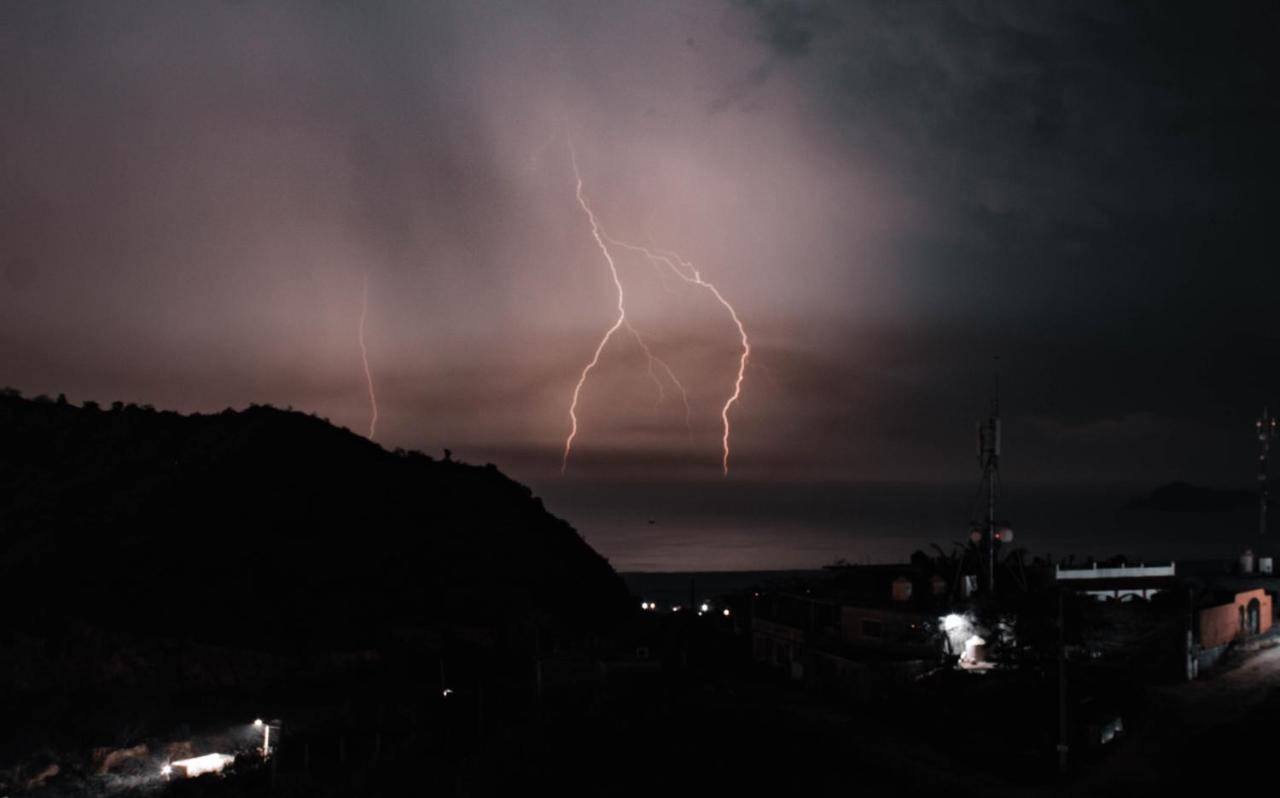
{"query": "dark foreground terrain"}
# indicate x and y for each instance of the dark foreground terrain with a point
(407, 625)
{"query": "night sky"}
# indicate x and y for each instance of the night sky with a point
(890, 195)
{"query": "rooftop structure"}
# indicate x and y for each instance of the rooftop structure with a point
(1120, 582)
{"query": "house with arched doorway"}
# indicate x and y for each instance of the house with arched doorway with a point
(1230, 618)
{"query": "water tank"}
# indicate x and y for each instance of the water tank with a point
(1246, 562)
(1264, 565)
(975, 650)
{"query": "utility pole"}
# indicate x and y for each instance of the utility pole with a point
(1063, 746)
(1266, 426)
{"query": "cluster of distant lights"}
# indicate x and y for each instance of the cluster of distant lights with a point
(703, 609)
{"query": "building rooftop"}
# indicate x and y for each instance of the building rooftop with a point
(1095, 572)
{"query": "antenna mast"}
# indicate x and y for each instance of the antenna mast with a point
(1266, 426)
(989, 462)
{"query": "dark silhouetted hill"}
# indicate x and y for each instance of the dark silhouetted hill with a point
(271, 527)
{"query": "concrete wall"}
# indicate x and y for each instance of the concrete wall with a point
(1222, 624)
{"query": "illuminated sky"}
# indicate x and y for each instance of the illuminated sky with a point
(889, 193)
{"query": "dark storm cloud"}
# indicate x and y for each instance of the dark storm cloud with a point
(788, 26)
(1094, 181)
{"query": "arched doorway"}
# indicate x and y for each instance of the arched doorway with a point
(1253, 618)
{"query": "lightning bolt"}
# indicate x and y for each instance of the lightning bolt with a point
(364, 357)
(622, 309)
(671, 375)
(687, 272)
(597, 232)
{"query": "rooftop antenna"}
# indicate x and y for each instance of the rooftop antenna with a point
(1266, 426)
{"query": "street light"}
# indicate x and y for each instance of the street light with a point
(266, 736)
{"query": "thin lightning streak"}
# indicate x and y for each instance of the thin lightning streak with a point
(364, 357)
(678, 265)
(653, 376)
(622, 310)
(657, 266)
(671, 375)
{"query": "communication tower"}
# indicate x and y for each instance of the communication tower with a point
(989, 532)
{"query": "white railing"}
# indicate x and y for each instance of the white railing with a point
(1125, 572)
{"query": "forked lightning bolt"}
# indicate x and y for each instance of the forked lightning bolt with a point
(598, 234)
(688, 273)
(622, 310)
(364, 357)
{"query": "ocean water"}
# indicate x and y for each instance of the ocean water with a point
(728, 526)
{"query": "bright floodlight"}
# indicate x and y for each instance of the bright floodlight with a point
(726, 612)
(952, 622)
(704, 608)
(166, 770)
(257, 724)
(200, 765)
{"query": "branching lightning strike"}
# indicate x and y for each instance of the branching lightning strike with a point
(622, 310)
(686, 271)
(364, 357)
(598, 234)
